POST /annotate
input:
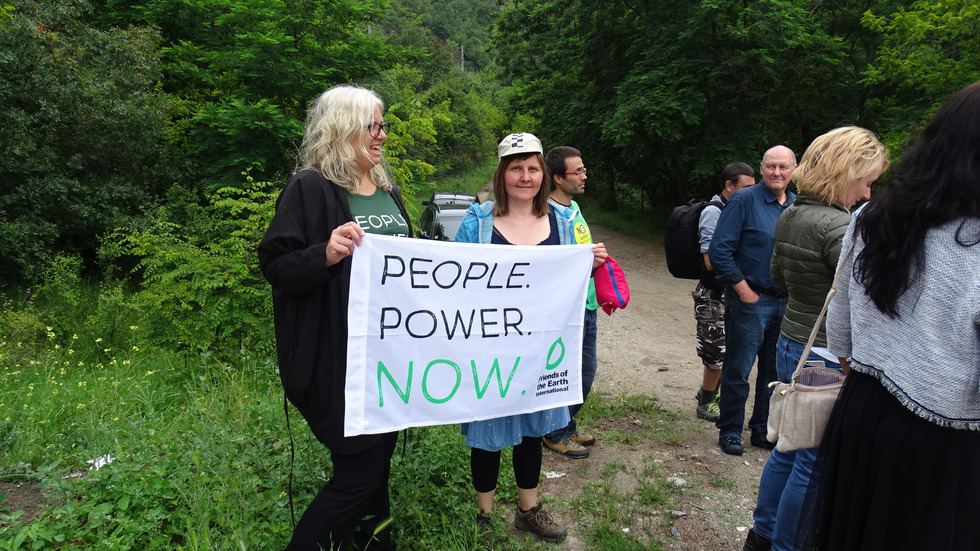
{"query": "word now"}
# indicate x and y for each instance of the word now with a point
(405, 391)
(447, 274)
(424, 323)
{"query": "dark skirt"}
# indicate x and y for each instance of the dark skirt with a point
(892, 480)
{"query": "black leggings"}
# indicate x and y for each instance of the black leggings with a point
(485, 466)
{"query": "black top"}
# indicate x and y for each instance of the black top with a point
(497, 239)
(310, 303)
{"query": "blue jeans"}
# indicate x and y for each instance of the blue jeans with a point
(751, 331)
(590, 363)
(785, 496)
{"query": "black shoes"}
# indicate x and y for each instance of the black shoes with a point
(759, 440)
(731, 444)
(708, 406)
(755, 542)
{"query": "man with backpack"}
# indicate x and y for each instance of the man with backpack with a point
(709, 295)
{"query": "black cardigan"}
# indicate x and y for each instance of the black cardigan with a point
(310, 303)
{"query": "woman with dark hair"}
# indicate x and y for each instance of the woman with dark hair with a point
(342, 191)
(836, 172)
(903, 440)
(520, 215)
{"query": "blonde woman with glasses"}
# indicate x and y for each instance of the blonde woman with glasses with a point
(835, 173)
(342, 191)
(903, 439)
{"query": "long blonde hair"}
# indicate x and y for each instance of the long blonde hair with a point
(837, 159)
(334, 121)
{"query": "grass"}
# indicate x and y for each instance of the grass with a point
(201, 457)
(470, 180)
(201, 461)
(644, 224)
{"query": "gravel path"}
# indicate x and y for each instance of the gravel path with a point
(648, 348)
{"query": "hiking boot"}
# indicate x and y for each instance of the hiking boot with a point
(755, 542)
(538, 520)
(708, 407)
(731, 444)
(568, 447)
(582, 438)
(483, 521)
(484, 529)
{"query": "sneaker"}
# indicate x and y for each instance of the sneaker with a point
(755, 542)
(568, 447)
(731, 444)
(582, 438)
(759, 440)
(538, 520)
(709, 410)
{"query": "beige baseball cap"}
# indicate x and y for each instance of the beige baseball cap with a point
(521, 142)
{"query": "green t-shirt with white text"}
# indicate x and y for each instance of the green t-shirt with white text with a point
(378, 213)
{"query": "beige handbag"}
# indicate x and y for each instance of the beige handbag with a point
(799, 410)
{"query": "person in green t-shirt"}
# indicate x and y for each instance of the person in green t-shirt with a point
(568, 175)
(341, 192)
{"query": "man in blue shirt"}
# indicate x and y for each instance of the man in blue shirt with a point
(740, 253)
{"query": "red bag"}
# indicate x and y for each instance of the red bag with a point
(611, 289)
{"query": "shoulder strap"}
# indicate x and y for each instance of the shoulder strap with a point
(826, 303)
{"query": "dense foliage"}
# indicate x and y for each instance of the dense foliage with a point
(243, 73)
(144, 143)
(84, 141)
(930, 50)
(107, 104)
(663, 94)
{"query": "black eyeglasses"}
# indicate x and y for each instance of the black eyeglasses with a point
(579, 172)
(375, 128)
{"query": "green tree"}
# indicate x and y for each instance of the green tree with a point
(462, 105)
(201, 290)
(84, 142)
(426, 52)
(244, 72)
(462, 26)
(661, 95)
(930, 50)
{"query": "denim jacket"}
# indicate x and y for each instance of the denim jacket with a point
(477, 225)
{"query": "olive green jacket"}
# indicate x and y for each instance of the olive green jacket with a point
(804, 259)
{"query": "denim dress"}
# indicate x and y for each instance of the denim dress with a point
(501, 432)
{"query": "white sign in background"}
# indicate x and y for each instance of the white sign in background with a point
(442, 333)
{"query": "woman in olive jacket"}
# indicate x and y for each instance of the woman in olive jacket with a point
(836, 172)
(342, 191)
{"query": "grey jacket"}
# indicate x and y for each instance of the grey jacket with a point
(929, 356)
(808, 244)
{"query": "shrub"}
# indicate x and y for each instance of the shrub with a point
(22, 330)
(205, 294)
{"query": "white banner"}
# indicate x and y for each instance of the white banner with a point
(442, 333)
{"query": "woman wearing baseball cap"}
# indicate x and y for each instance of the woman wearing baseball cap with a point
(520, 215)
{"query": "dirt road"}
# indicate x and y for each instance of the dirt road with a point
(648, 348)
